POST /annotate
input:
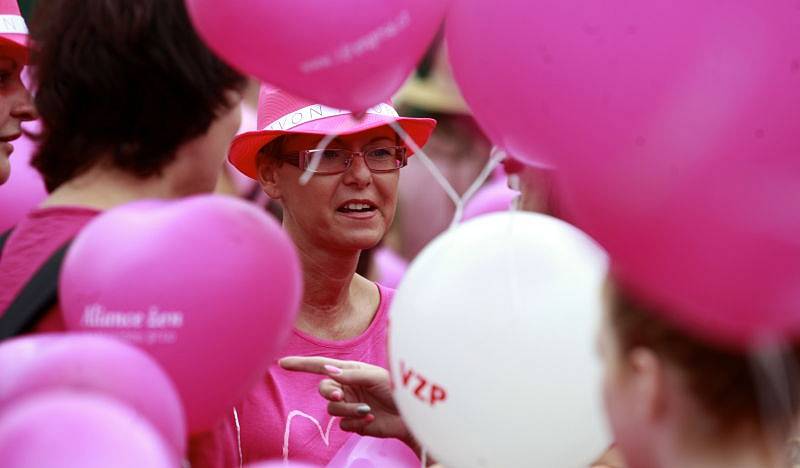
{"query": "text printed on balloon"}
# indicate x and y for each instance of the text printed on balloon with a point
(159, 323)
(369, 42)
(423, 388)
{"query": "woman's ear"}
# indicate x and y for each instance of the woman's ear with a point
(649, 384)
(268, 177)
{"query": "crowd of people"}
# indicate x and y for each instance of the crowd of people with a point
(133, 105)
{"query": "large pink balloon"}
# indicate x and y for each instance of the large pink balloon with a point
(351, 54)
(675, 125)
(24, 190)
(96, 364)
(209, 286)
(67, 430)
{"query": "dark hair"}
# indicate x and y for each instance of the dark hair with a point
(725, 382)
(129, 80)
(270, 150)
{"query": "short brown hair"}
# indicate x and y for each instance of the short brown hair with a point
(125, 78)
(723, 381)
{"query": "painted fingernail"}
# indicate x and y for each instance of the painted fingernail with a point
(336, 395)
(333, 370)
(369, 418)
(363, 409)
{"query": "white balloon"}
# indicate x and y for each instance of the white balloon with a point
(492, 344)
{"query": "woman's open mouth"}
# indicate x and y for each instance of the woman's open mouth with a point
(361, 209)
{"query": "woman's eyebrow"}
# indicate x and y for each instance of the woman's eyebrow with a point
(380, 138)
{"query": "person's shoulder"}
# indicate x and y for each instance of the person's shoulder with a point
(386, 294)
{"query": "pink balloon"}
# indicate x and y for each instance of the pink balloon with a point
(390, 266)
(66, 430)
(674, 125)
(371, 452)
(491, 198)
(24, 190)
(96, 364)
(350, 54)
(209, 286)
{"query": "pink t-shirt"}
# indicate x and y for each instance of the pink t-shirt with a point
(30, 245)
(284, 417)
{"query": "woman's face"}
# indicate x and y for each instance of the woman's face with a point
(321, 212)
(15, 108)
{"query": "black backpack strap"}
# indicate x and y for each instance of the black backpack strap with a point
(3, 238)
(38, 296)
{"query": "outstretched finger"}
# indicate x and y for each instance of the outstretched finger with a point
(314, 364)
(363, 375)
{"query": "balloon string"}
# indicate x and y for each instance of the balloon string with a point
(238, 436)
(424, 458)
(459, 201)
(497, 155)
(429, 164)
(309, 172)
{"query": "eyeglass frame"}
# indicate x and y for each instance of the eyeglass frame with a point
(302, 159)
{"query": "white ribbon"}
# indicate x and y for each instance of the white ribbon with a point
(319, 111)
(12, 24)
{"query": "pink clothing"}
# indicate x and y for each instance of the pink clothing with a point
(284, 417)
(33, 241)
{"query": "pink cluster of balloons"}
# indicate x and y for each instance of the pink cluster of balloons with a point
(77, 400)
(188, 303)
(674, 127)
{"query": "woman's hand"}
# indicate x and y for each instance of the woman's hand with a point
(359, 393)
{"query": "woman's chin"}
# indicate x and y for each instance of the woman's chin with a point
(359, 241)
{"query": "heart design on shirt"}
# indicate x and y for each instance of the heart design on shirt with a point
(326, 435)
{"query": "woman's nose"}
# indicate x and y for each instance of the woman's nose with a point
(358, 173)
(22, 107)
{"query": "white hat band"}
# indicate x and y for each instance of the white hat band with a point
(319, 111)
(12, 24)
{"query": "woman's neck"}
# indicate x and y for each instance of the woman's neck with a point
(335, 305)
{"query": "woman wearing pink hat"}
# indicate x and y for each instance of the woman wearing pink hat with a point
(347, 206)
(15, 102)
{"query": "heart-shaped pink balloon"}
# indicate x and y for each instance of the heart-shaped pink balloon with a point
(351, 54)
(209, 286)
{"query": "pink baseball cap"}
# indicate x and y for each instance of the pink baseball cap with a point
(280, 113)
(13, 30)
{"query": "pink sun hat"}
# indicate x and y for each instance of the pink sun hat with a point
(280, 113)
(13, 30)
